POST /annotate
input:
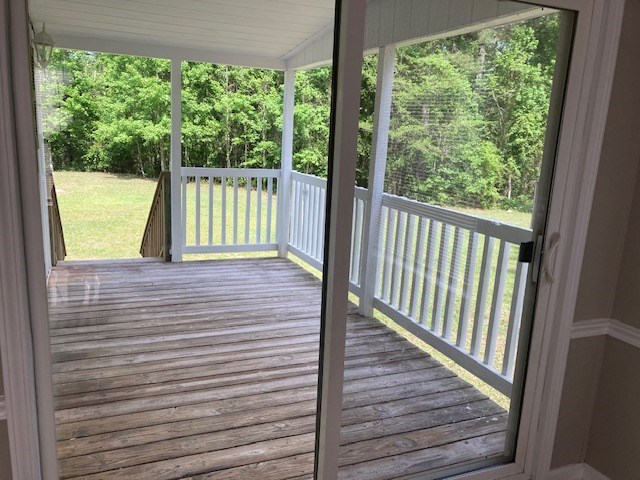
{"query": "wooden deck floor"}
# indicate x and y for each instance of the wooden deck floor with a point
(208, 370)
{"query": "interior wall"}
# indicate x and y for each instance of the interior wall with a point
(580, 389)
(5, 459)
(616, 179)
(609, 281)
(614, 439)
(626, 307)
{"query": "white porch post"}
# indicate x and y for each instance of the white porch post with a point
(377, 166)
(42, 171)
(286, 163)
(176, 160)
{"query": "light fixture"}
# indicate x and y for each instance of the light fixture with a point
(43, 45)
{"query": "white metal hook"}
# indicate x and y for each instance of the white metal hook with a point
(552, 244)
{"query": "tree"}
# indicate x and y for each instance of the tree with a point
(516, 105)
(468, 115)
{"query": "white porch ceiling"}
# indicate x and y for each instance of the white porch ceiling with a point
(243, 32)
(275, 34)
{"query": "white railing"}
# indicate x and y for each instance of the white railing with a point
(306, 217)
(228, 209)
(306, 223)
(451, 279)
(444, 276)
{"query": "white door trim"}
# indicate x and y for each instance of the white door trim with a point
(595, 52)
(24, 329)
(347, 71)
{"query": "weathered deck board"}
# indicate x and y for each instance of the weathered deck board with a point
(208, 370)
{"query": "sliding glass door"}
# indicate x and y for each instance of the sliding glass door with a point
(437, 248)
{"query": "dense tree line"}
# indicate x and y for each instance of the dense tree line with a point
(468, 115)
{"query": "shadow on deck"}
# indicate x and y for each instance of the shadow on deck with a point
(209, 370)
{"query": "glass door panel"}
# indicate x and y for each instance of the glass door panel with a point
(456, 150)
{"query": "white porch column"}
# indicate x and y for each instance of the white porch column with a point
(377, 166)
(286, 163)
(42, 171)
(176, 160)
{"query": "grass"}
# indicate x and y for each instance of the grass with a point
(512, 217)
(104, 216)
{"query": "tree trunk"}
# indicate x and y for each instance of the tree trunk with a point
(140, 159)
(264, 136)
(227, 119)
(163, 158)
(482, 61)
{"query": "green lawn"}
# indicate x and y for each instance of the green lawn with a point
(512, 217)
(103, 215)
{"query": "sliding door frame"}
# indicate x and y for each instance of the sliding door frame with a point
(588, 89)
(25, 363)
(343, 142)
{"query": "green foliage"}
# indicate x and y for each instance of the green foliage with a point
(468, 116)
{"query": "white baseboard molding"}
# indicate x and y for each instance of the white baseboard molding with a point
(568, 472)
(578, 471)
(607, 326)
(591, 473)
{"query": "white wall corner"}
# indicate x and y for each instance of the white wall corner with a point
(625, 333)
(578, 471)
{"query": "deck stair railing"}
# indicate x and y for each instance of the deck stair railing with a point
(56, 235)
(451, 279)
(156, 240)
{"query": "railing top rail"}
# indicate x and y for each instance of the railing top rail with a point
(360, 193)
(59, 231)
(309, 179)
(230, 172)
(163, 180)
(503, 231)
(156, 194)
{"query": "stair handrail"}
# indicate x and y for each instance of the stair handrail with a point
(156, 240)
(56, 233)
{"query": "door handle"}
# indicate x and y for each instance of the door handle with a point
(552, 245)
